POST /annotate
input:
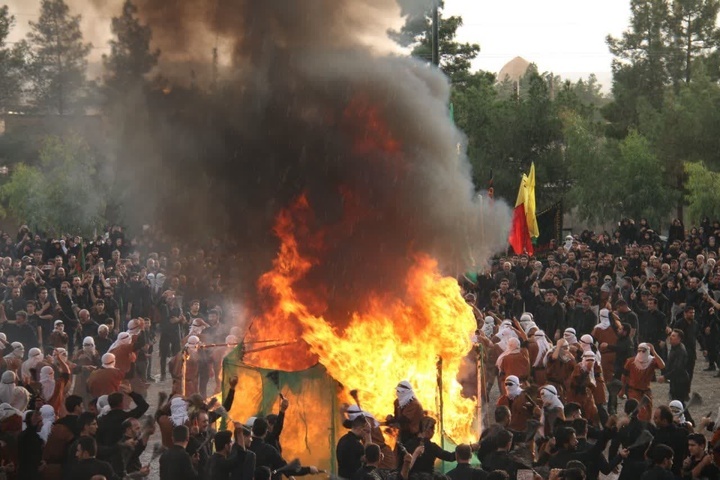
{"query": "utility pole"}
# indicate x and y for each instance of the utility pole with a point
(436, 35)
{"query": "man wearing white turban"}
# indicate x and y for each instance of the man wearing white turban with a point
(559, 365)
(48, 418)
(124, 352)
(105, 380)
(538, 347)
(521, 406)
(605, 334)
(552, 410)
(184, 368)
(408, 411)
(586, 387)
(14, 359)
(639, 372)
(514, 360)
(10, 393)
(88, 360)
(29, 370)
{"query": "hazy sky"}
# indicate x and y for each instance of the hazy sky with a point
(566, 37)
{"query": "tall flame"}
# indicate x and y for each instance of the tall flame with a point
(392, 339)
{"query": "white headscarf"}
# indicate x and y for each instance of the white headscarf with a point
(178, 411)
(4, 339)
(550, 400)
(89, 345)
(489, 326)
(588, 365)
(7, 386)
(643, 359)
(17, 352)
(35, 357)
(404, 393)
(562, 357)
(505, 334)
(108, 360)
(123, 338)
(133, 327)
(20, 398)
(193, 342)
(512, 386)
(103, 405)
(587, 342)
(513, 346)
(48, 418)
(197, 326)
(7, 410)
(544, 346)
(570, 336)
(678, 410)
(529, 326)
(231, 339)
(354, 411)
(604, 319)
(47, 380)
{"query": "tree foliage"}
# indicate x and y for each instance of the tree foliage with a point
(703, 192)
(65, 193)
(455, 57)
(130, 56)
(59, 58)
(12, 64)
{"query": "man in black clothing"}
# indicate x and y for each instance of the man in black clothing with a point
(627, 436)
(350, 449)
(219, 465)
(584, 319)
(662, 458)
(30, 447)
(699, 463)
(244, 467)
(549, 315)
(628, 316)
(176, 463)
(592, 457)
(676, 368)
(110, 429)
(666, 432)
(689, 327)
(21, 331)
(653, 324)
(267, 456)
(500, 459)
(370, 470)
(88, 466)
(623, 349)
(275, 425)
(464, 471)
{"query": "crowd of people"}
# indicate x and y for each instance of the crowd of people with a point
(570, 344)
(575, 340)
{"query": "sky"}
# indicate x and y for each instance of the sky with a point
(566, 37)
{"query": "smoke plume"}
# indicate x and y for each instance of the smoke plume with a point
(307, 106)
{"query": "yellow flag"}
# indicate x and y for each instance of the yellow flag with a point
(522, 192)
(530, 204)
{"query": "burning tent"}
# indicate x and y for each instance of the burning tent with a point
(341, 184)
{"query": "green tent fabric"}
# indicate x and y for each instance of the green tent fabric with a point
(313, 424)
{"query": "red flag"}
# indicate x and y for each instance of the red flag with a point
(519, 235)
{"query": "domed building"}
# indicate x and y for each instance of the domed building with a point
(514, 70)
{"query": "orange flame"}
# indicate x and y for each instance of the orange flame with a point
(391, 340)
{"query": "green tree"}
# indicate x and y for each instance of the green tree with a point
(12, 63)
(703, 192)
(130, 54)
(693, 34)
(59, 58)
(589, 160)
(640, 181)
(65, 193)
(455, 57)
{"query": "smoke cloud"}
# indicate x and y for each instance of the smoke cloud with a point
(307, 103)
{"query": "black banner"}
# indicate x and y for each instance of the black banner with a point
(550, 224)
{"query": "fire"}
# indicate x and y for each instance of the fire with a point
(392, 339)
